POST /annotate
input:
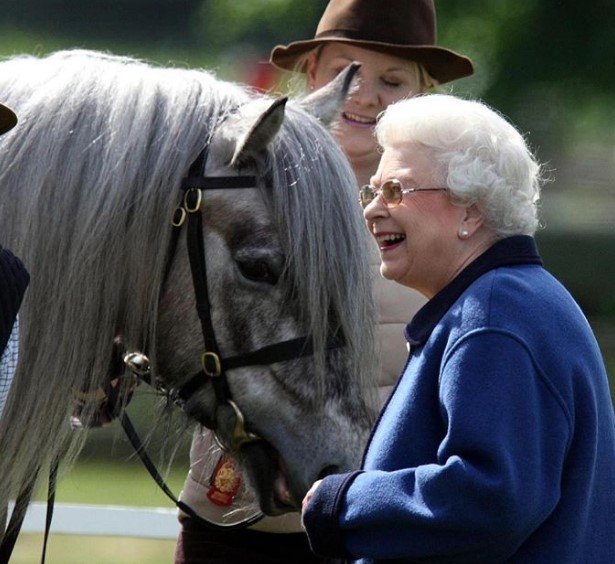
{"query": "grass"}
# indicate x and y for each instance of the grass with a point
(63, 549)
(116, 481)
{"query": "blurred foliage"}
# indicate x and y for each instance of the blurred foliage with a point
(259, 24)
(547, 63)
(574, 260)
(544, 63)
(147, 21)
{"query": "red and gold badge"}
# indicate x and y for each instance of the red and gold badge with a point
(224, 482)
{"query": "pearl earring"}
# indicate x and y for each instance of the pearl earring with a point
(463, 234)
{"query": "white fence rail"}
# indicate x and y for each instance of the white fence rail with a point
(101, 520)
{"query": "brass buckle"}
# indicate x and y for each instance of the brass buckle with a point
(210, 363)
(179, 217)
(196, 206)
(137, 363)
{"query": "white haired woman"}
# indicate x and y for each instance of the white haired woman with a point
(498, 443)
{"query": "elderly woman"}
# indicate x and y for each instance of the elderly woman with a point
(498, 443)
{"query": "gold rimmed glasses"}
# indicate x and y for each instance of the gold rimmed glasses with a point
(392, 191)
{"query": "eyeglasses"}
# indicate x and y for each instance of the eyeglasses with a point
(392, 192)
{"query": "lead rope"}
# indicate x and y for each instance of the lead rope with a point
(51, 498)
(16, 521)
(19, 512)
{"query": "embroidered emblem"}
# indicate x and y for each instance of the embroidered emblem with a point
(224, 482)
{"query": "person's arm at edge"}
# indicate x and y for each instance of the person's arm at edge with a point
(321, 513)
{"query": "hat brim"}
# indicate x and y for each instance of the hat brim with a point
(442, 64)
(8, 119)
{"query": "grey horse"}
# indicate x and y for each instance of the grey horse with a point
(90, 181)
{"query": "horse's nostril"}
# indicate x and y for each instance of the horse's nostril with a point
(328, 470)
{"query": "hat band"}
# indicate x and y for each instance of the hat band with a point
(359, 36)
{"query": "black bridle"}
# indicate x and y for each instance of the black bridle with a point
(213, 365)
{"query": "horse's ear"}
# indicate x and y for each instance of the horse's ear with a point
(262, 132)
(326, 103)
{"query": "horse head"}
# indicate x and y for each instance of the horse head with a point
(266, 288)
(91, 180)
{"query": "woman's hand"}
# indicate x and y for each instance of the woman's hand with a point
(308, 498)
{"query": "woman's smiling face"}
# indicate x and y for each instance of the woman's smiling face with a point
(418, 240)
(383, 79)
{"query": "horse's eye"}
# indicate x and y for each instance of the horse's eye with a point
(258, 271)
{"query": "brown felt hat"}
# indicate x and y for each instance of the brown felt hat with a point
(402, 28)
(7, 119)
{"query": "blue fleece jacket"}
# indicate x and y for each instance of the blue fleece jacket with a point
(498, 443)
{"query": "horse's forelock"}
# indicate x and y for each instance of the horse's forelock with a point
(107, 142)
(317, 212)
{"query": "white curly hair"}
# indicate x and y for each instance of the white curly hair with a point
(480, 157)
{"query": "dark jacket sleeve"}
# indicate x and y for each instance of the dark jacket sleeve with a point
(321, 517)
(14, 279)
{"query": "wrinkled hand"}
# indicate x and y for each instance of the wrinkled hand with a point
(308, 498)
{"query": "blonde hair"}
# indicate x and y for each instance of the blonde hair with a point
(297, 82)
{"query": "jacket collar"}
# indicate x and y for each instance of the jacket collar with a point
(518, 249)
